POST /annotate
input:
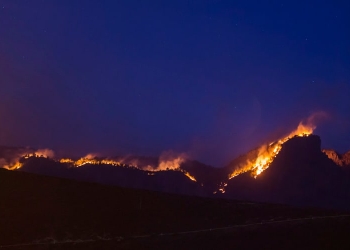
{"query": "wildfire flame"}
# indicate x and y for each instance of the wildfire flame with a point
(267, 153)
(189, 176)
(166, 162)
(16, 164)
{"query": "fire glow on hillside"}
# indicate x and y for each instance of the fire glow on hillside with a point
(165, 163)
(267, 152)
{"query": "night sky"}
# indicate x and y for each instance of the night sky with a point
(212, 79)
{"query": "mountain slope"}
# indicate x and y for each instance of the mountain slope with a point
(37, 208)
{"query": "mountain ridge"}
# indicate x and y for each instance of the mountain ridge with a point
(300, 174)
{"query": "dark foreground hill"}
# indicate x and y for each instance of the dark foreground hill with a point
(40, 212)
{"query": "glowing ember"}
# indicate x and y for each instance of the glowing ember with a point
(221, 188)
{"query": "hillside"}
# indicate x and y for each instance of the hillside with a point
(40, 210)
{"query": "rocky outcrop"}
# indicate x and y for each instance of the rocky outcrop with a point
(301, 174)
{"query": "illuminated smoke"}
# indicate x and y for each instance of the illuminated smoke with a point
(168, 161)
(47, 153)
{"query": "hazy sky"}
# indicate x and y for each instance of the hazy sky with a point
(209, 78)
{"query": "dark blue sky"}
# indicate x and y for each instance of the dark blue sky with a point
(209, 78)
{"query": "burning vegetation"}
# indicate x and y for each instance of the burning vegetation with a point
(16, 161)
(166, 162)
(266, 153)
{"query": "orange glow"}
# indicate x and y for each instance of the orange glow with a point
(90, 159)
(66, 160)
(15, 166)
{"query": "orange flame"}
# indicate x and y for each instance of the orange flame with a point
(66, 160)
(267, 153)
(16, 164)
(189, 176)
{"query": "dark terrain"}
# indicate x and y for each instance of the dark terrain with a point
(43, 212)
